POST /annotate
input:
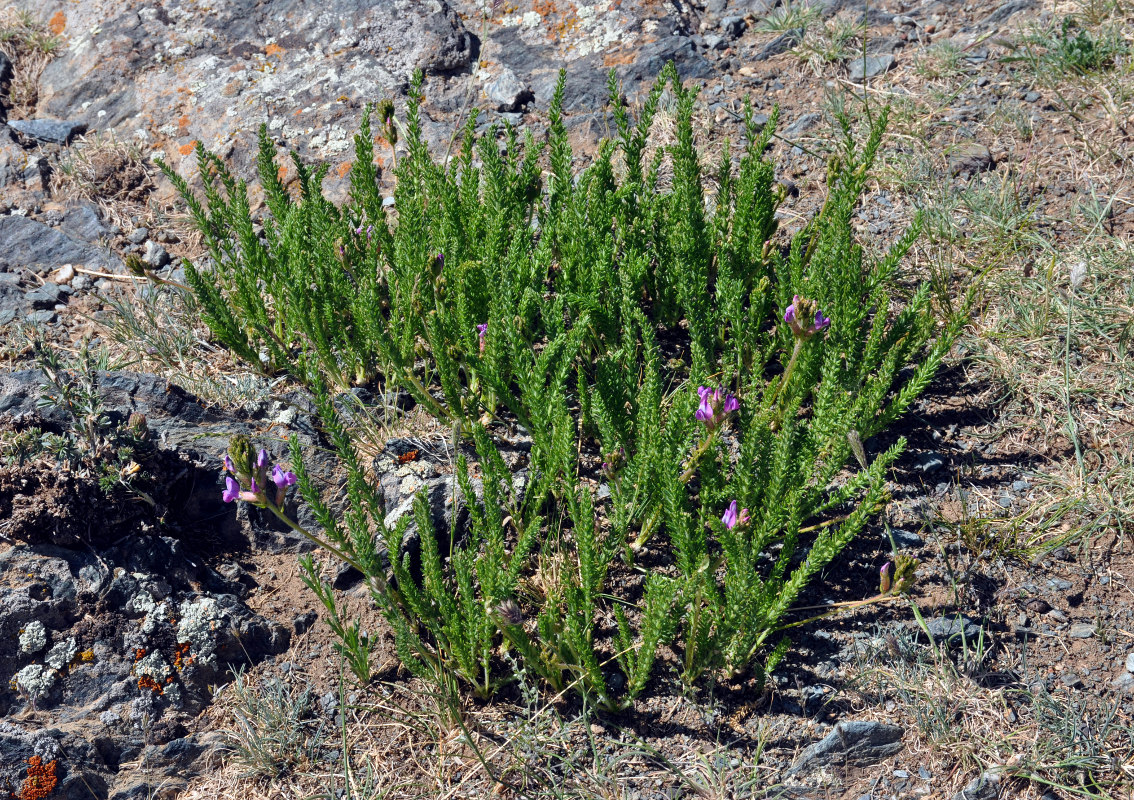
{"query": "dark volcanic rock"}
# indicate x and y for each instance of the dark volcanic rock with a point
(136, 634)
(27, 243)
(1003, 12)
(781, 44)
(952, 630)
(48, 130)
(859, 743)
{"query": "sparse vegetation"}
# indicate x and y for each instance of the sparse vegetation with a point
(29, 45)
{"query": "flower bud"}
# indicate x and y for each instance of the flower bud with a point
(240, 453)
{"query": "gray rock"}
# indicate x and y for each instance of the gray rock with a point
(907, 540)
(714, 41)
(48, 130)
(1123, 683)
(5, 68)
(781, 44)
(862, 68)
(859, 743)
(82, 222)
(13, 158)
(802, 124)
(969, 158)
(1130, 663)
(36, 174)
(1005, 11)
(46, 296)
(44, 317)
(508, 92)
(952, 630)
(734, 27)
(985, 786)
(138, 235)
(1082, 630)
(928, 462)
(27, 243)
(155, 255)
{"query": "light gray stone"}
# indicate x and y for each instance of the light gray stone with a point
(862, 68)
(508, 92)
(985, 786)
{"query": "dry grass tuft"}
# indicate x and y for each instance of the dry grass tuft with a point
(109, 172)
(30, 46)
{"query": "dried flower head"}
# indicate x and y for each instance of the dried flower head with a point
(510, 613)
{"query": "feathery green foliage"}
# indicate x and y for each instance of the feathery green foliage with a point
(586, 307)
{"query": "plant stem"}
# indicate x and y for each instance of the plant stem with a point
(312, 537)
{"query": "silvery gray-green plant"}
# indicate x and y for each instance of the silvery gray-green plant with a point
(716, 379)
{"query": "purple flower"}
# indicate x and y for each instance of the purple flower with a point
(715, 406)
(802, 308)
(283, 478)
(884, 578)
(789, 315)
(481, 331)
(228, 465)
(732, 517)
(262, 459)
(231, 489)
(358, 230)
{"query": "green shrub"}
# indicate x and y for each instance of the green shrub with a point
(639, 333)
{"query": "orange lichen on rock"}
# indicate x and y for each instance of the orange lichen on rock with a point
(181, 657)
(274, 50)
(343, 169)
(40, 781)
(146, 682)
(186, 149)
(57, 23)
(183, 124)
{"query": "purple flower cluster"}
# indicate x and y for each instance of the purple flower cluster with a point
(481, 332)
(257, 481)
(733, 517)
(803, 309)
(716, 405)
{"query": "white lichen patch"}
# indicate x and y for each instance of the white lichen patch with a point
(198, 626)
(36, 680)
(153, 666)
(157, 615)
(62, 654)
(33, 637)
